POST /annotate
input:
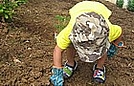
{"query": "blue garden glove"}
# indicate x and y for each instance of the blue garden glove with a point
(57, 77)
(113, 49)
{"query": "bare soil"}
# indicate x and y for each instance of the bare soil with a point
(26, 47)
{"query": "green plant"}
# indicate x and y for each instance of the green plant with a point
(120, 3)
(62, 22)
(131, 5)
(7, 8)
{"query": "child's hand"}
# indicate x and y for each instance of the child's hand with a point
(112, 51)
(113, 48)
(57, 77)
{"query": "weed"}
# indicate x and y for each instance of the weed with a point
(62, 22)
(7, 8)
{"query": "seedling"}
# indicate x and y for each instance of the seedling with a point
(62, 22)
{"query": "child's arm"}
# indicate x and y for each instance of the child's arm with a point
(57, 76)
(62, 43)
(57, 57)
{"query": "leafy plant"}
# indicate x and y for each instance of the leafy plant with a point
(131, 5)
(62, 22)
(7, 8)
(120, 3)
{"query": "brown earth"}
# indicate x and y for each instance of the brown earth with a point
(26, 47)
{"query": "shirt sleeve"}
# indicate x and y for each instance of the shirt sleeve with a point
(114, 31)
(63, 40)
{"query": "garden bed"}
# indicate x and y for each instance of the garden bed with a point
(26, 47)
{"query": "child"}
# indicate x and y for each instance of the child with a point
(90, 34)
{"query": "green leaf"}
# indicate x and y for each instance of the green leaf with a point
(60, 18)
(6, 16)
(1, 10)
(7, 12)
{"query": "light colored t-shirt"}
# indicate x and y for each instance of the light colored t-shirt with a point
(63, 40)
